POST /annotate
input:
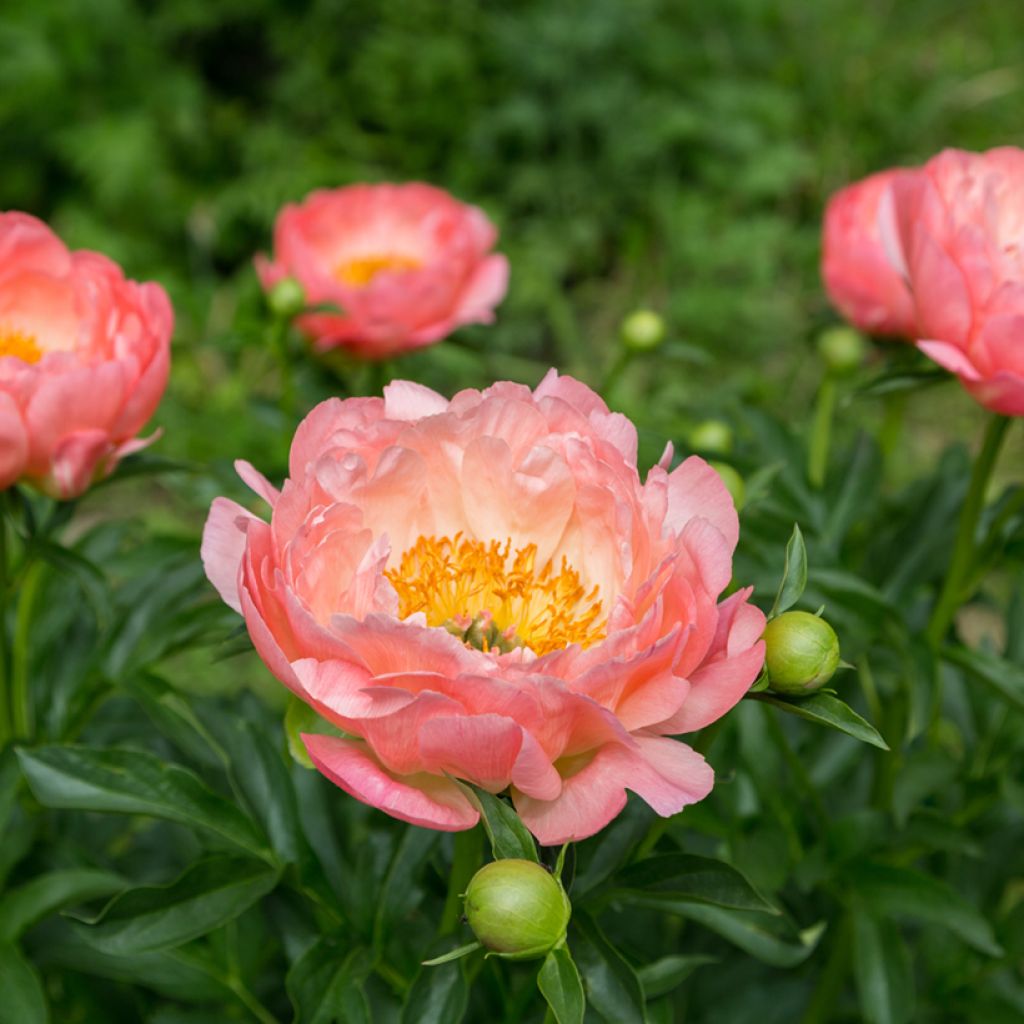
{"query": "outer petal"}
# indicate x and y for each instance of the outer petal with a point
(422, 799)
(223, 547)
(696, 490)
(13, 441)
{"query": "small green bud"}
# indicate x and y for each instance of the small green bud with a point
(733, 482)
(843, 349)
(517, 909)
(643, 330)
(286, 298)
(802, 653)
(711, 436)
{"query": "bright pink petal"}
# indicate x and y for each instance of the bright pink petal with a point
(223, 547)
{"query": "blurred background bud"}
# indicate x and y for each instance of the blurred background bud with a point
(732, 480)
(842, 349)
(802, 653)
(286, 298)
(643, 330)
(711, 436)
(517, 909)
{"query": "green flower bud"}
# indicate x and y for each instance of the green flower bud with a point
(733, 482)
(643, 330)
(711, 436)
(802, 653)
(286, 298)
(517, 909)
(843, 349)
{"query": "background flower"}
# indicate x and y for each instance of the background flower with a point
(484, 589)
(84, 357)
(858, 275)
(961, 225)
(406, 264)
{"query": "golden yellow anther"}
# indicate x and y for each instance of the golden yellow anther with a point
(360, 272)
(19, 344)
(457, 580)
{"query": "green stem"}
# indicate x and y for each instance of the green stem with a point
(893, 409)
(279, 343)
(249, 1001)
(21, 699)
(821, 432)
(5, 707)
(468, 852)
(953, 590)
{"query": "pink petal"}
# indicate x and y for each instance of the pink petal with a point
(223, 547)
(695, 490)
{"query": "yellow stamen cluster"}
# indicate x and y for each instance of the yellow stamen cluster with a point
(455, 581)
(360, 272)
(19, 344)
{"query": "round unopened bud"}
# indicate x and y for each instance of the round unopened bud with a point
(802, 653)
(842, 348)
(733, 482)
(286, 298)
(643, 330)
(711, 436)
(517, 909)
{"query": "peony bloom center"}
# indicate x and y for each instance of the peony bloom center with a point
(19, 344)
(358, 273)
(494, 598)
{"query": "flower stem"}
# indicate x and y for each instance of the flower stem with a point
(468, 852)
(21, 700)
(5, 697)
(821, 432)
(952, 594)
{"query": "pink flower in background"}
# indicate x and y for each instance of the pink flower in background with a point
(406, 265)
(859, 277)
(960, 227)
(483, 589)
(84, 357)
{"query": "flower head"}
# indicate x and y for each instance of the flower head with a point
(84, 357)
(405, 265)
(483, 589)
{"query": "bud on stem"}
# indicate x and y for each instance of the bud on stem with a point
(802, 653)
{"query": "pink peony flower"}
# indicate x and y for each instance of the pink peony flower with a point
(407, 264)
(483, 589)
(860, 279)
(960, 244)
(84, 357)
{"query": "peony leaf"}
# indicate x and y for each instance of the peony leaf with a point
(1003, 677)
(885, 979)
(612, 986)
(559, 983)
(509, 837)
(326, 985)
(23, 998)
(667, 974)
(794, 574)
(826, 709)
(46, 893)
(156, 917)
(133, 782)
(437, 997)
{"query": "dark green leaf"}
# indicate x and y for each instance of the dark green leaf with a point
(509, 837)
(133, 782)
(399, 895)
(612, 986)
(325, 985)
(901, 381)
(885, 980)
(1004, 678)
(205, 897)
(437, 997)
(21, 992)
(885, 890)
(46, 893)
(610, 848)
(826, 709)
(794, 574)
(559, 983)
(684, 876)
(668, 973)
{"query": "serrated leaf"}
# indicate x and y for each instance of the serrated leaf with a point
(133, 782)
(559, 982)
(208, 895)
(612, 986)
(886, 890)
(826, 709)
(794, 574)
(509, 837)
(684, 876)
(41, 896)
(22, 1000)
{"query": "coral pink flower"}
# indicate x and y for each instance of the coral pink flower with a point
(84, 357)
(482, 589)
(960, 228)
(855, 267)
(406, 264)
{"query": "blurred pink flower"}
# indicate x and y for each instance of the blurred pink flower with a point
(84, 357)
(406, 265)
(960, 227)
(860, 279)
(483, 589)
